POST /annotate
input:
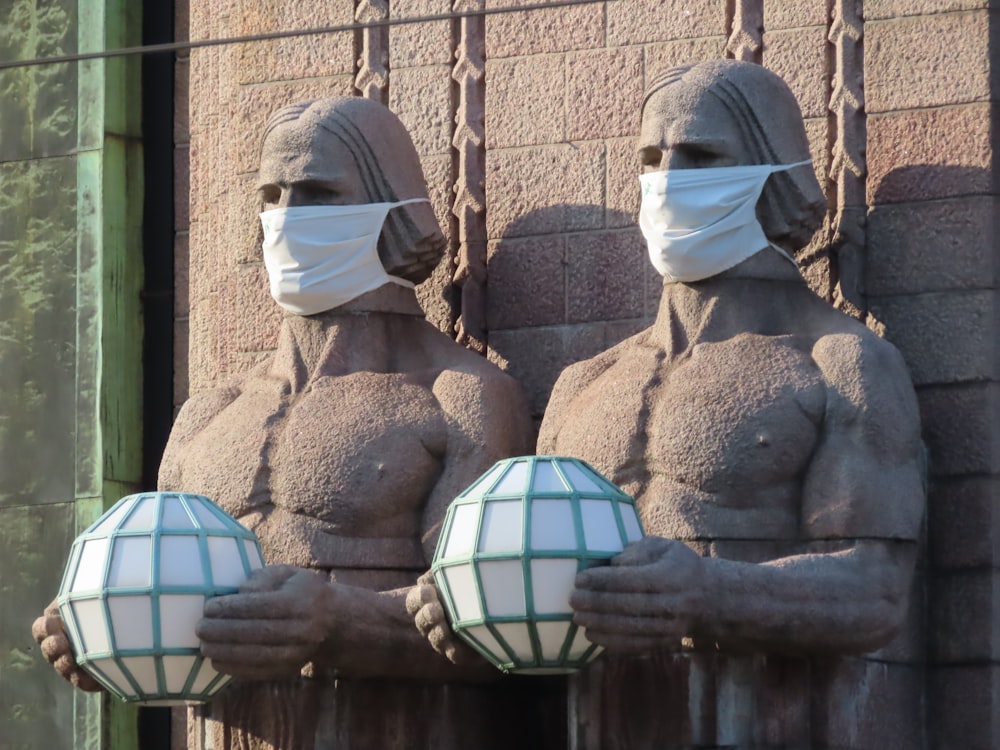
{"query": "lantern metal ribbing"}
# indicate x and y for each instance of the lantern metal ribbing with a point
(509, 552)
(136, 585)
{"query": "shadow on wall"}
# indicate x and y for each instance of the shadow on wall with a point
(565, 283)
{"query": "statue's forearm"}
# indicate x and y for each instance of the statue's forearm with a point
(851, 601)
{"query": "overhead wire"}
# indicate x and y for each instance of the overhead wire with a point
(150, 49)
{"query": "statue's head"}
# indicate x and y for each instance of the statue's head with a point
(350, 150)
(728, 113)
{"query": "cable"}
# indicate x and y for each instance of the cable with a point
(180, 46)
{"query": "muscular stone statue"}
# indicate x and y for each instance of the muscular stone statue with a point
(342, 451)
(772, 443)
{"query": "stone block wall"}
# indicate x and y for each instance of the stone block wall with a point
(525, 123)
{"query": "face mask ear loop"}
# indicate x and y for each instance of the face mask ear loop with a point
(784, 254)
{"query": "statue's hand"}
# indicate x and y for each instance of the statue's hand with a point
(272, 627)
(50, 634)
(650, 596)
(425, 607)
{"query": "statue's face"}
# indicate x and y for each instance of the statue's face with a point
(686, 128)
(304, 165)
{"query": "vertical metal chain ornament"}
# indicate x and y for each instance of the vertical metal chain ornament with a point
(746, 38)
(470, 182)
(847, 164)
(372, 79)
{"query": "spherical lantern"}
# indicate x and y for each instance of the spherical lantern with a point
(136, 585)
(509, 552)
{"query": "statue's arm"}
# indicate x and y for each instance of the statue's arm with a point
(193, 417)
(863, 500)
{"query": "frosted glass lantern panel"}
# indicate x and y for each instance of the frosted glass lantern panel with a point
(599, 527)
(113, 674)
(462, 534)
(502, 526)
(130, 562)
(143, 671)
(112, 520)
(552, 582)
(514, 482)
(205, 676)
(90, 569)
(227, 565)
(132, 620)
(179, 613)
(579, 646)
(581, 480)
(253, 555)
(630, 520)
(142, 516)
(552, 525)
(206, 517)
(463, 590)
(547, 479)
(482, 634)
(517, 637)
(483, 485)
(90, 620)
(176, 670)
(552, 637)
(180, 561)
(503, 587)
(174, 514)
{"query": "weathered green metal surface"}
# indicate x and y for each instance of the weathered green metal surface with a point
(70, 336)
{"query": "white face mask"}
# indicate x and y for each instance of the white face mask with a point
(319, 257)
(700, 222)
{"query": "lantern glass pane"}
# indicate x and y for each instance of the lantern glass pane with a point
(580, 645)
(551, 583)
(482, 634)
(143, 671)
(502, 529)
(599, 527)
(90, 620)
(516, 635)
(176, 670)
(130, 562)
(132, 621)
(547, 479)
(633, 531)
(552, 525)
(462, 534)
(503, 587)
(515, 481)
(552, 637)
(180, 561)
(142, 516)
(113, 674)
(227, 565)
(483, 485)
(90, 570)
(582, 481)
(179, 613)
(462, 586)
(206, 517)
(205, 675)
(112, 520)
(253, 554)
(174, 514)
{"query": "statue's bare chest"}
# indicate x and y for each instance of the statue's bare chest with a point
(359, 452)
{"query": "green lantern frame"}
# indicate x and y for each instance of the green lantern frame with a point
(541, 639)
(96, 587)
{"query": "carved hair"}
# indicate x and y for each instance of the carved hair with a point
(412, 243)
(792, 205)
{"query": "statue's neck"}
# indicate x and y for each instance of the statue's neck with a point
(367, 334)
(751, 297)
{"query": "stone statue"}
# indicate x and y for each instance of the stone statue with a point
(341, 451)
(772, 443)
